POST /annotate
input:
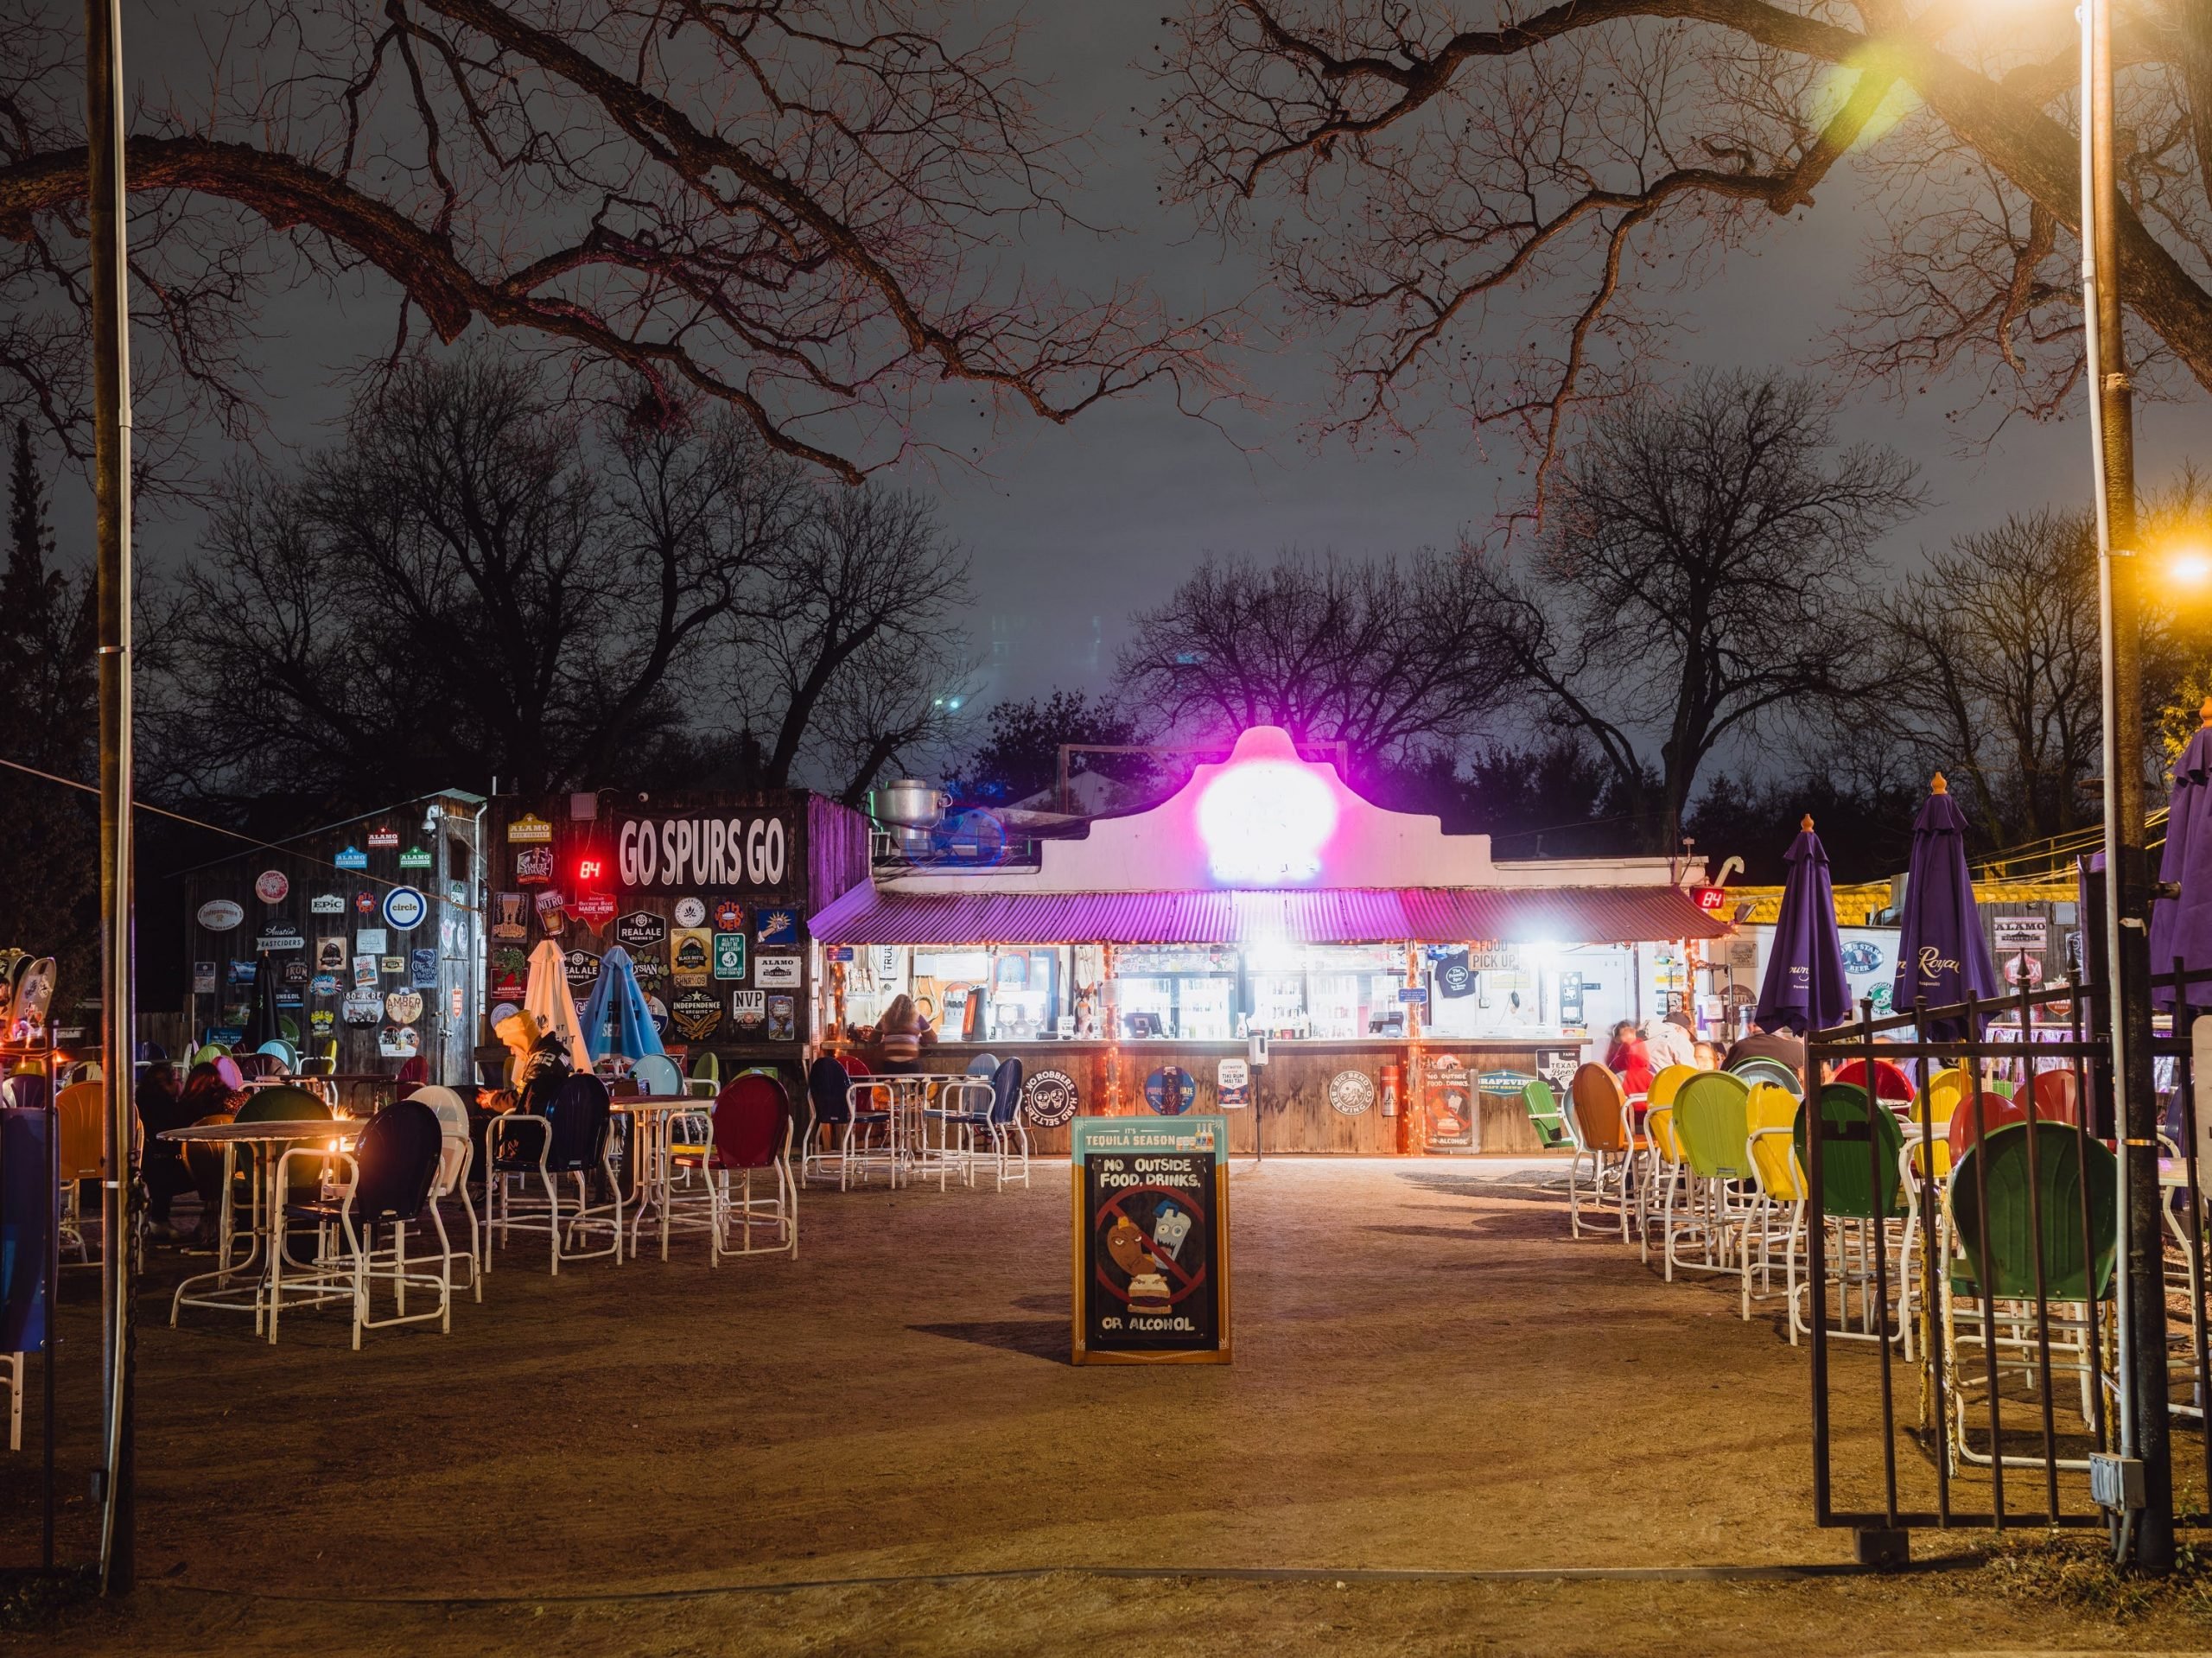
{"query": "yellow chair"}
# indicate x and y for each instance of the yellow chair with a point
(80, 1109)
(1668, 1084)
(1771, 1116)
(1666, 1156)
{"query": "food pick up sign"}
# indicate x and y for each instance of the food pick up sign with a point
(1151, 1240)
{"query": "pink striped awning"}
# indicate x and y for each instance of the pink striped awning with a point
(1368, 915)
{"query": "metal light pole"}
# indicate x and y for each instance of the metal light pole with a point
(103, 124)
(2143, 1415)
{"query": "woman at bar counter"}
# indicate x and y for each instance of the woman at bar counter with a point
(1630, 1060)
(900, 1036)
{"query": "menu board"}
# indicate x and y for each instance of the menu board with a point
(1151, 1240)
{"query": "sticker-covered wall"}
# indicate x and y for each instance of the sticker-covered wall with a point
(371, 932)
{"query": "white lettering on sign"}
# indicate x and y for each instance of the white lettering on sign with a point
(710, 852)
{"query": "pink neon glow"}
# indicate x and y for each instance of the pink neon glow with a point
(1265, 821)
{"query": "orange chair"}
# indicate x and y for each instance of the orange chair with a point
(80, 1109)
(1598, 1114)
(2057, 1096)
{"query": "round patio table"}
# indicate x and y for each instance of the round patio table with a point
(260, 1256)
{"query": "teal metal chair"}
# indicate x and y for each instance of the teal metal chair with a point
(1862, 1199)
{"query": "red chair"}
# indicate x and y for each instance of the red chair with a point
(753, 1133)
(2058, 1097)
(1976, 1117)
(1890, 1080)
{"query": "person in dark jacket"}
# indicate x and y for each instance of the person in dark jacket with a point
(1771, 1045)
(169, 1168)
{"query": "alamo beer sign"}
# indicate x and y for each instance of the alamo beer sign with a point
(1151, 1240)
(752, 850)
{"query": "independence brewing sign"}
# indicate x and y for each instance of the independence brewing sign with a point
(1151, 1241)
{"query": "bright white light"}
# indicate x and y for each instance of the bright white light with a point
(1265, 821)
(2192, 569)
(1541, 955)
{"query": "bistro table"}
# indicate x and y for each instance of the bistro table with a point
(653, 1181)
(260, 1260)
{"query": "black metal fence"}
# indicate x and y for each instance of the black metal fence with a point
(1979, 1375)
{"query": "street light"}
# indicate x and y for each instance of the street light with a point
(2143, 1415)
(2190, 568)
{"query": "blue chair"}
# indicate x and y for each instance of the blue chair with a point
(572, 1140)
(983, 1065)
(830, 1094)
(1007, 1125)
(657, 1075)
(1760, 1069)
(393, 1170)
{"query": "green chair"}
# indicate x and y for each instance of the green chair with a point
(2075, 1272)
(1859, 1203)
(284, 1104)
(705, 1079)
(1760, 1069)
(1712, 1123)
(1544, 1115)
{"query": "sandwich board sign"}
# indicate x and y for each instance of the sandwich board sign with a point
(1151, 1240)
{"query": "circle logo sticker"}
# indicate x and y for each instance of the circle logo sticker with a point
(403, 1007)
(404, 907)
(691, 912)
(270, 886)
(1350, 1093)
(221, 915)
(1050, 1098)
(1170, 1090)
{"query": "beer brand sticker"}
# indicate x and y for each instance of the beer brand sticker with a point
(414, 858)
(326, 903)
(749, 1008)
(783, 1019)
(362, 1008)
(729, 916)
(280, 936)
(392, 963)
(221, 915)
(779, 927)
(1171, 1090)
(365, 903)
(364, 972)
(330, 953)
(729, 955)
(404, 908)
(1050, 1098)
(423, 968)
(507, 923)
(323, 984)
(369, 941)
(695, 1014)
(530, 830)
(399, 1042)
(270, 886)
(351, 857)
(690, 957)
(1232, 1084)
(580, 968)
(779, 972)
(454, 1010)
(383, 840)
(640, 929)
(322, 1021)
(551, 917)
(658, 1010)
(592, 909)
(403, 1007)
(691, 912)
(203, 978)
(534, 867)
(296, 973)
(1350, 1093)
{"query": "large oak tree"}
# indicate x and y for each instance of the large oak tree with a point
(1488, 204)
(802, 209)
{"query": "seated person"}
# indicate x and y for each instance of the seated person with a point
(900, 1035)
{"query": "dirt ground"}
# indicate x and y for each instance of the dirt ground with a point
(1429, 1375)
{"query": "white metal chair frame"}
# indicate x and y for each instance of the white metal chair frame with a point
(1616, 1169)
(741, 1211)
(502, 1200)
(347, 1266)
(456, 1163)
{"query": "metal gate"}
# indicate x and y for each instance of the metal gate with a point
(1962, 1317)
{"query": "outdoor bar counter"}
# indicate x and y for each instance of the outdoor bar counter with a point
(1407, 984)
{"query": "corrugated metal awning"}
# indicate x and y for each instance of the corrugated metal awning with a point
(1564, 915)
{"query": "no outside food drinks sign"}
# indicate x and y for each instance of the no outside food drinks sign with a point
(1151, 1240)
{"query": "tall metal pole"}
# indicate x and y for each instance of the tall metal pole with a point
(2144, 1416)
(104, 126)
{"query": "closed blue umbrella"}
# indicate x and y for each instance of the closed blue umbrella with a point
(1805, 988)
(2182, 927)
(1942, 955)
(616, 1019)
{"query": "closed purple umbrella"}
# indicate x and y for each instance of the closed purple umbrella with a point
(1942, 955)
(2182, 927)
(1805, 988)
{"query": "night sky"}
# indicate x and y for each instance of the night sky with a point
(1071, 528)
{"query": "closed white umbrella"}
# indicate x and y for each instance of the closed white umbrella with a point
(547, 995)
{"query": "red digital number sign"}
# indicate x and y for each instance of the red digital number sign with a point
(590, 869)
(1712, 900)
